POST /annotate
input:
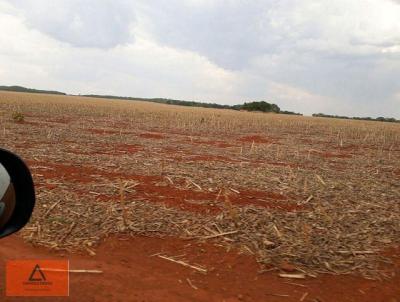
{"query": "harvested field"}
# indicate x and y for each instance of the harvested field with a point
(311, 196)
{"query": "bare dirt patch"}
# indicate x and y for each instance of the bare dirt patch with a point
(256, 139)
(103, 131)
(152, 135)
(330, 154)
(219, 144)
(207, 158)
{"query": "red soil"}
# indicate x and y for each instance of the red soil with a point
(187, 156)
(126, 148)
(184, 133)
(131, 273)
(282, 164)
(209, 158)
(46, 119)
(201, 201)
(27, 145)
(47, 170)
(59, 120)
(108, 150)
(330, 154)
(102, 131)
(29, 123)
(349, 147)
(256, 139)
(154, 189)
(338, 166)
(219, 144)
(264, 199)
(152, 135)
(306, 140)
(80, 174)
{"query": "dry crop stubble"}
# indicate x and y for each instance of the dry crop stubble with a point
(320, 194)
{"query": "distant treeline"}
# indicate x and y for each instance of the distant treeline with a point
(378, 119)
(252, 106)
(29, 90)
(290, 112)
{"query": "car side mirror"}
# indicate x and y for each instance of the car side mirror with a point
(17, 193)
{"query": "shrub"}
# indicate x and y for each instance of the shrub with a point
(18, 117)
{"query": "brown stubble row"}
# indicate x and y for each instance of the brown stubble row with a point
(318, 193)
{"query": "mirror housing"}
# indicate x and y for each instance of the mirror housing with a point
(21, 182)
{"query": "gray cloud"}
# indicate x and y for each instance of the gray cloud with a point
(333, 49)
(231, 33)
(81, 23)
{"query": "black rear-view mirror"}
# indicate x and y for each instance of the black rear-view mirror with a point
(17, 194)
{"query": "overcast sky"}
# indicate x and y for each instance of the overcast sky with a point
(338, 57)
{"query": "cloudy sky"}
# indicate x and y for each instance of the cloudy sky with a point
(339, 57)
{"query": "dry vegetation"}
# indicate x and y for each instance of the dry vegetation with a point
(305, 195)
